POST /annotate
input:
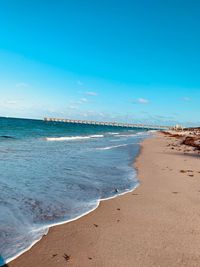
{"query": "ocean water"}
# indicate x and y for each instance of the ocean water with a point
(51, 173)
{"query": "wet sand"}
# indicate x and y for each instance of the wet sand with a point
(158, 224)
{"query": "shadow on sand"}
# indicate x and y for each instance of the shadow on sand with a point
(2, 262)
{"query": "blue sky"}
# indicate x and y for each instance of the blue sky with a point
(129, 61)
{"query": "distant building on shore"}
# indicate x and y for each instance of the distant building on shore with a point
(177, 127)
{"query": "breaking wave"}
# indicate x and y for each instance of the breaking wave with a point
(71, 138)
(111, 147)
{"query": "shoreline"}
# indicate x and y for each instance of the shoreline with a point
(69, 221)
(135, 229)
(48, 227)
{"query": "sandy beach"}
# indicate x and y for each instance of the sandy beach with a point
(158, 224)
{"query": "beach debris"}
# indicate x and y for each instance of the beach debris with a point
(192, 141)
(66, 257)
(89, 258)
(175, 192)
(54, 255)
(183, 171)
(96, 225)
(135, 194)
(189, 137)
(188, 171)
(118, 209)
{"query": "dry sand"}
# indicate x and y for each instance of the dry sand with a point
(158, 224)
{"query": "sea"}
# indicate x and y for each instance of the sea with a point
(53, 172)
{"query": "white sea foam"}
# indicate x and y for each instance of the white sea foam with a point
(97, 136)
(126, 135)
(134, 134)
(152, 131)
(48, 226)
(110, 147)
(113, 133)
(72, 138)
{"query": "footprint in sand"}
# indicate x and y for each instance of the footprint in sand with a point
(66, 257)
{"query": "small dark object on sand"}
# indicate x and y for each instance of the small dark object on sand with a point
(118, 209)
(175, 192)
(66, 257)
(191, 175)
(90, 258)
(54, 255)
(135, 194)
(96, 225)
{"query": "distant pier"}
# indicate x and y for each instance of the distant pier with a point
(114, 124)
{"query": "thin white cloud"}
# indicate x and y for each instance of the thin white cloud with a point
(73, 107)
(11, 102)
(186, 99)
(79, 83)
(101, 114)
(22, 85)
(77, 103)
(83, 100)
(141, 101)
(93, 115)
(91, 93)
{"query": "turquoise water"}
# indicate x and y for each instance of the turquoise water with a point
(56, 172)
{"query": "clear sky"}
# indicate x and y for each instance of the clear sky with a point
(117, 60)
